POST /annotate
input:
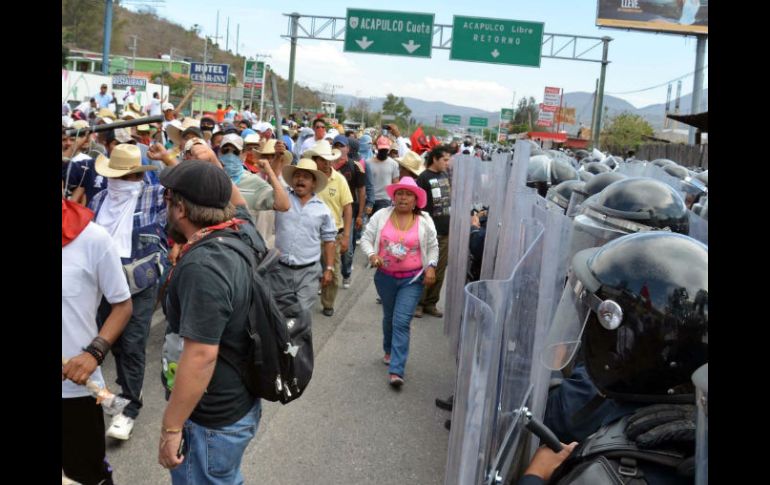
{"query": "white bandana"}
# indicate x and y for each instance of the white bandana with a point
(117, 212)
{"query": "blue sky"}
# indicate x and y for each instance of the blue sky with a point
(639, 60)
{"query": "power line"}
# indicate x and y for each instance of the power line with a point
(661, 84)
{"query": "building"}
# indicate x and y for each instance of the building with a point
(87, 61)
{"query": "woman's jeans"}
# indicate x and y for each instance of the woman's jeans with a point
(212, 456)
(399, 300)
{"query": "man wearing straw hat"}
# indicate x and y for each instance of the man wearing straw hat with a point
(134, 214)
(300, 233)
(410, 165)
(337, 197)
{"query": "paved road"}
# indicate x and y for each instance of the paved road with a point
(350, 427)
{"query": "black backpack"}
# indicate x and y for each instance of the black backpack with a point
(279, 364)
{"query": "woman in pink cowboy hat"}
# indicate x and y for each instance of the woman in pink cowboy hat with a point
(400, 241)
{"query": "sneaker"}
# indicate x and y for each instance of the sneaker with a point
(418, 312)
(120, 427)
(328, 311)
(445, 404)
(386, 359)
(448, 424)
(433, 311)
(346, 283)
(396, 380)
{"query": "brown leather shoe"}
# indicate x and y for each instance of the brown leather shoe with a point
(418, 312)
(433, 311)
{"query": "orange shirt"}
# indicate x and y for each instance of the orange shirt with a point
(220, 115)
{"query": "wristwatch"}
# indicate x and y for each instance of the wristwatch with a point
(330, 268)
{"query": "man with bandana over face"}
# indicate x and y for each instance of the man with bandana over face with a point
(134, 214)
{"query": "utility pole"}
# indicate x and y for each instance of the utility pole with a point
(697, 88)
(132, 48)
(668, 107)
(216, 30)
(205, 70)
(227, 39)
(292, 56)
(676, 103)
(600, 90)
(237, 37)
(107, 37)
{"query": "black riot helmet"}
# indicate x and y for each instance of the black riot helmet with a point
(662, 162)
(691, 185)
(544, 172)
(638, 307)
(640, 201)
(581, 154)
(562, 193)
(596, 168)
(585, 176)
(635, 204)
(602, 180)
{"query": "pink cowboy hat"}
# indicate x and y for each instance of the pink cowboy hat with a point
(409, 184)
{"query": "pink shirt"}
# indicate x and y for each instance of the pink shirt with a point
(400, 251)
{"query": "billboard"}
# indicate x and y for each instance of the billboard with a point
(123, 82)
(566, 116)
(214, 73)
(675, 16)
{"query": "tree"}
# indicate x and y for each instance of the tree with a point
(396, 106)
(625, 131)
(526, 112)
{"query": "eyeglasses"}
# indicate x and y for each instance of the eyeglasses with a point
(227, 150)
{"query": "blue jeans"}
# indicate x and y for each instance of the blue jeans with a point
(130, 348)
(399, 300)
(355, 234)
(212, 456)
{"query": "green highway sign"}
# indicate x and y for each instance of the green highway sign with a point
(478, 121)
(253, 76)
(450, 119)
(506, 114)
(496, 41)
(386, 32)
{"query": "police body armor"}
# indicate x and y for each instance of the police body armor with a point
(609, 457)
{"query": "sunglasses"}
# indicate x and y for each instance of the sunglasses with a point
(227, 150)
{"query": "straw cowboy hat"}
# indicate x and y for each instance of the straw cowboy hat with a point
(324, 150)
(408, 183)
(132, 111)
(310, 166)
(124, 159)
(269, 149)
(412, 162)
(106, 113)
(174, 131)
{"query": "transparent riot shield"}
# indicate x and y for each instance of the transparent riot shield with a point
(646, 169)
(699, 228)
(701, 380)
(501, 168)
(474, 186)
(495, 360)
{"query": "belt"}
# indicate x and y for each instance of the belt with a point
(297, 266)
(401, 274)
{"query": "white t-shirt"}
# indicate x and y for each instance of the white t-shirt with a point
(402, 147)
(307, 145)
(90, 267)
(155, 107)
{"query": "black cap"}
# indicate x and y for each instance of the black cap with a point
(228, 128)
(199, 182)
(194, 130)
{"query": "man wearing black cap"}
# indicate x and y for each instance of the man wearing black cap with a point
(206, 303)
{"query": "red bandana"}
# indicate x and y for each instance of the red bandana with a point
(200, 234)
(74, 218)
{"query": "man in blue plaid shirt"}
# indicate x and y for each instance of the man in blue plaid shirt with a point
(134, 214)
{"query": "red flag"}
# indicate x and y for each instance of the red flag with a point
(419, 141)
(434, 142)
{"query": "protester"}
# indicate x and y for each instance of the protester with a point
(155, 103)
(90, 267)
(319, 133)
(337, 197)
(401, 142)
(133, 213)
(304, 235)
(410, 165)
(220, 113)
(206, 303)
(384, 172)
(230, 113)
(401, 243)
(103, 99)
(356, 179)
(436, 184)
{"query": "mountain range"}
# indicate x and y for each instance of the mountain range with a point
(429, 112)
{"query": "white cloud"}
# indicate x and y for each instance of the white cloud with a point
(312, 59)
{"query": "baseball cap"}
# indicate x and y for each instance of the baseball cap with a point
(341, 139)
(383, 142)
(199, 182)
(228, 127)
(263, 126)
(166, 106)
(232, 139)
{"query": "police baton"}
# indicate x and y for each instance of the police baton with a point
(537, 428)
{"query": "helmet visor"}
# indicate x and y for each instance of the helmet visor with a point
(566, 330)
(590, 233)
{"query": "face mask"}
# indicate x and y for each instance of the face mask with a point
(233, 166)
(382, 154)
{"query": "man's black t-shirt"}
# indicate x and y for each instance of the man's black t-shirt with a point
(355, 177)
(207, 301)
(437, 186)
